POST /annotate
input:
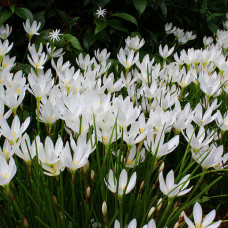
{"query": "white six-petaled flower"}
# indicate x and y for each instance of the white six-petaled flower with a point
(54, 35)
(199, 222)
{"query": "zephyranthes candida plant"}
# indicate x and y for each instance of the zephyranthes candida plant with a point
(138, 145)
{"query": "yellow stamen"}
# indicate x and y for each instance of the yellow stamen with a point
(4, 66)
(14, 133)
(50, 118)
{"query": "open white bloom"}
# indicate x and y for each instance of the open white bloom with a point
(127, 59)
(32, 29)
(81, 152)
(222, 121)
(51, 156)
(7, 171)
(165, 52)
(54, 35)
(155, 143)
(14, 133)
(197, 142)
(37, 60)
(209, 156)
(132, 224)
(53, 53)
(198, 221)
(101, 12)
(134, 42)
(5, 31)
(5, 47)
(171, 189)
(151, 224)
(8, 150)
(27, 151)
(123, 187)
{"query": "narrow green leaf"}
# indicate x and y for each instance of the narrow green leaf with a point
(116, 24)
(140, 6)
(73, 40)
(163, 8)
(12, 8)
(100, 25)
(213, 27)
(127, 17)
(62, 15)
(24, 13)
(5, 15)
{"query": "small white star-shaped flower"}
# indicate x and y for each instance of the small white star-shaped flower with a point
(54, 35)
(101, 12)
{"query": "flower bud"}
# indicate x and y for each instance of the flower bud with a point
(26, 222)
(150, 212)
(181, 215)
(85, 168)
(162, 166)
(92, 174)
(141, 186)
(104, 208)
(87, 192)
(159, 204)
(176, 225)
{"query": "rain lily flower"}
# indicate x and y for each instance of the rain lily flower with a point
(155, 143)
(132, 224)
(165, 52)
(8, 150)
(197, 142)
(209, 156)
(123, 187)
(171, 189)
(5, 31)
(27, 151)
(81, 152)
(198, 221)
(14, 133)
(127, 59)
(7, 171)
(50, 156)
(134, 42)
(31, 29)
(5, 47)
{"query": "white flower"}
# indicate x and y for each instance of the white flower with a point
(134, 42)
(101, 12)
(5, 31)
(209, 156)
(51, 156)
(127, 59)
(81, 152)
(7, 171)
(28, 151)
(132, 224)
(199, 222)
(171, 189)
(14, 133)
(54, 35)
(123, 187)
(31, 29)
(165, 52)
(4, 47)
